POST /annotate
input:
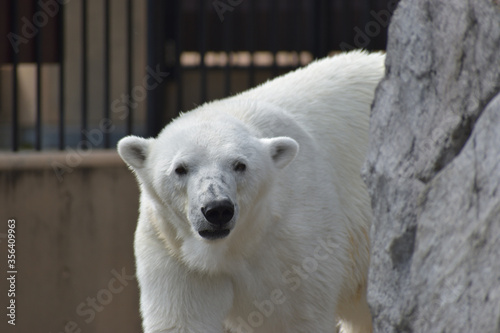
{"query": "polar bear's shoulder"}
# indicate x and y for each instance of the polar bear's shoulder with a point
(326, 76)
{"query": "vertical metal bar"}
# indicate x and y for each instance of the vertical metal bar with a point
(202, 44)
(366, 18)
(84, 75)
(227, 48)
(320, 9)
(347, 34)
(60, 38)
(316, 28)
(326, 29)
(15, 63)
(156, 40)
(106, 69)
(297, 24)
(129, 65)
(38, 59)
(274, 36)
(178, 52)
(251, 43)
(367, 6)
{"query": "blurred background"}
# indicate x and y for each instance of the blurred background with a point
(78, 75)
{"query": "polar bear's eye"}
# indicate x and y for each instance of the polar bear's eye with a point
(240, 167)
(181, 170)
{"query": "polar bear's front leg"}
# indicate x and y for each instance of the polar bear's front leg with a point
(176, 299)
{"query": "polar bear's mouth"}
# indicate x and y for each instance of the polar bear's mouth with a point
(214, 234)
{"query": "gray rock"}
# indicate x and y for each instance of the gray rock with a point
(433, 171)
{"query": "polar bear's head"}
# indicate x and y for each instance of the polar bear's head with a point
(204, 174)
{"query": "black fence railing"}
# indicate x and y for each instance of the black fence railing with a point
(37, 35)
(76, 75)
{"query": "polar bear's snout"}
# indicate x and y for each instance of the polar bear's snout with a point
(213, 209)
(218, 216)
(218, 212)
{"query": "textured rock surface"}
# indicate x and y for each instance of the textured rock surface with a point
(433, 171)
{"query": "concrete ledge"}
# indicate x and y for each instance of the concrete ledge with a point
(75, 220)
(49, 159)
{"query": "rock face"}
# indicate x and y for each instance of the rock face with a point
(433, 171)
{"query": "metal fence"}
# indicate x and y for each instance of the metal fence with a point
(37, 64)
(84, 73)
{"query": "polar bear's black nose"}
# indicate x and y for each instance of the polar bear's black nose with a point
(218, 212)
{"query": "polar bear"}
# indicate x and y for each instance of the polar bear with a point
(253, 215)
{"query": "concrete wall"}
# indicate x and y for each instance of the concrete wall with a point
(74, 242)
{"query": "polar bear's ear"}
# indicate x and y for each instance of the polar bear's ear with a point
(282, 149)
(134, 150)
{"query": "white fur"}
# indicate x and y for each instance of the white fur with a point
(297, 255)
